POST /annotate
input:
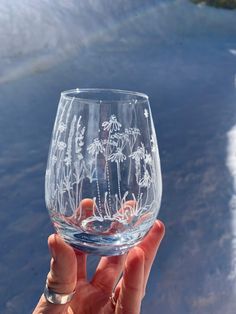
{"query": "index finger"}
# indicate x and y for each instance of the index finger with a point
(131, 287)
(150, 245)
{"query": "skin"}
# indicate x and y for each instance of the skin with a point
(68, 273)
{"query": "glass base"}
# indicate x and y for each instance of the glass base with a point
(101, 244)
(112, 246)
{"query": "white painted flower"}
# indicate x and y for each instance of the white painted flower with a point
(80, 156)
(132, 134)
(111, 125)
(54, 159)
(96, 147)
(61, 127)
(146, 180)
(128, 131)
(148, 159)
(146, 114)
(135, 131)
(80, 137)
(67, 160)
(117, 136)
(112, 143)
(118, 156)
(61, 145)
(139, 153)
(120, 136)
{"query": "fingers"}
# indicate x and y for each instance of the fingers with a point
(127, 210)
(85, 209)
(150, 245)
(108, 272)
(131, 288)
(62, 277)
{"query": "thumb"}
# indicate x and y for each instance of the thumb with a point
(63, 271)
(62, 277)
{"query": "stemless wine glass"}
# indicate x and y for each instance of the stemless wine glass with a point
(103, 180)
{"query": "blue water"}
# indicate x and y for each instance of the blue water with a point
(184, 57)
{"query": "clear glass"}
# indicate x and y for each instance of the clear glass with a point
(103, 180)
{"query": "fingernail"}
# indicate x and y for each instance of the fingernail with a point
(160, 224)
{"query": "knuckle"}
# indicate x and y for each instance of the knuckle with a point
(131, 288)
(52, 281)
(60, 286)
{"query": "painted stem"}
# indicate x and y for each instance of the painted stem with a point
(107, 172)
(81, 189)
(130, 163)
(118, 178)
(109, 189)
(98, 188)
(72, 205)
(76, 197)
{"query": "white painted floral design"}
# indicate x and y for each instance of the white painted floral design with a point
(146, 180)
(148, 159)
(146, 114)
(133, 131)
(117, 156)
(54, 159)
(68, 161)
(61, 127)
(139, 153)
(111, 125)
(96, 147)
(61, 145)
(73, 165)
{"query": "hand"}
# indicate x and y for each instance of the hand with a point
(68, 272)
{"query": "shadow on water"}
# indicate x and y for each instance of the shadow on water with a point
(191, 87)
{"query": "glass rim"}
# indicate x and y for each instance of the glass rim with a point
(67, 94)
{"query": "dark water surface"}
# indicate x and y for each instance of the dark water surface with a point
(184, 58)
